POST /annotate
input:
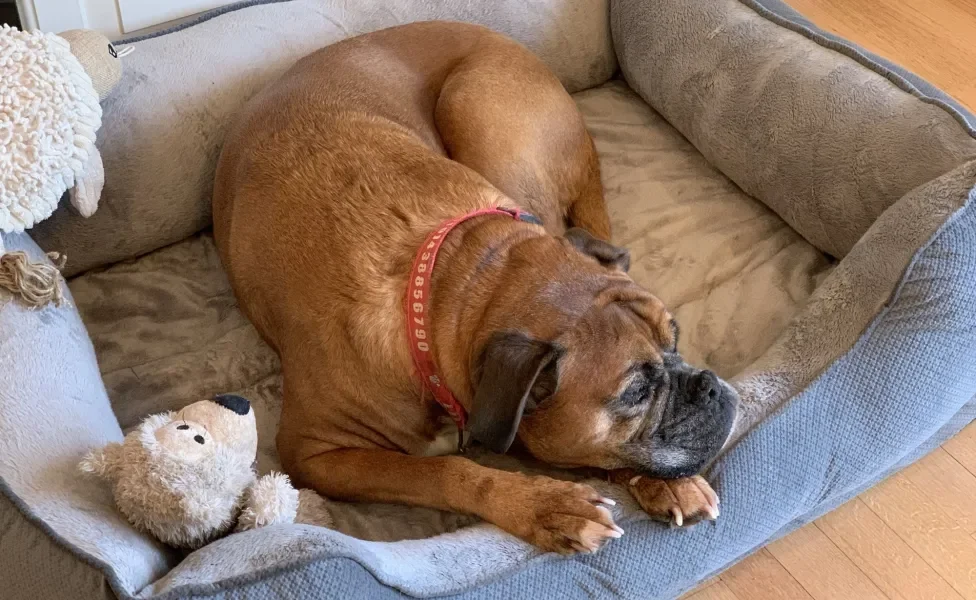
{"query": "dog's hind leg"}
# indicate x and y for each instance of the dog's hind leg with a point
(589, 210)
(523, 134)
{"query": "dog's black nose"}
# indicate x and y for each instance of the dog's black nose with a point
(235, 403)
(707, 384)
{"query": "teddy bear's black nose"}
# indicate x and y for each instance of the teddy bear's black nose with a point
(235, 403)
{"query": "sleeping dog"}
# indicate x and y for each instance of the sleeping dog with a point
(414, 220)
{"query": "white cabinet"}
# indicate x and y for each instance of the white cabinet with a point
(114, 18)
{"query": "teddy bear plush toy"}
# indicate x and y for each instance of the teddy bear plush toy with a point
(187, 477)
(50, 89)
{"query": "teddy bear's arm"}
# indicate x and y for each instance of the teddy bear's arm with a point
(271, 500)
(105, 462)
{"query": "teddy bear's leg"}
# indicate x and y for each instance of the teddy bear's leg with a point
(88, 187)
(313, 509)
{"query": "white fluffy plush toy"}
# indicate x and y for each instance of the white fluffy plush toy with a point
(188, 477)
(50, 89)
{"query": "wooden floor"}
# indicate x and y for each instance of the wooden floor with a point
(932, 38)
(911, 537)
(914, 535)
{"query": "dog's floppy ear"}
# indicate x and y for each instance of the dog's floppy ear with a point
(605, 252)
(515, 373)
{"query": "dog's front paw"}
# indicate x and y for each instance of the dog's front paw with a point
(557, 516)
(682, 502)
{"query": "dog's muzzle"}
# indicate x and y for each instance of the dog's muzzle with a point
(696, 422)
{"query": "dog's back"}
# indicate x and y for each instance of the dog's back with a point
(334, 174)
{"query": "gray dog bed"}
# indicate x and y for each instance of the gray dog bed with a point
(804, 207)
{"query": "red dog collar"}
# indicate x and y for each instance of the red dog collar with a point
(417, 305)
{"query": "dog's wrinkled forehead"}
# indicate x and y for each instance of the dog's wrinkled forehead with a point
(645, 314)
(626, 328)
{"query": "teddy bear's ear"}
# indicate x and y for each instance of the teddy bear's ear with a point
(105, 462)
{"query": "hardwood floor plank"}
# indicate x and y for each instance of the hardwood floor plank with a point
(716, 591)
(947, 483)
(963, 446)
(707, 583)
(932, 38)
(883, 556)
(762, 577)
(929, 530)
(821, 568)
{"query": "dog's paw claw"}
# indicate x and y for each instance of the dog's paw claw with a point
(561, 516)
(679, 502)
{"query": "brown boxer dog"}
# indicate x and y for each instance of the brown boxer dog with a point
(333, 184)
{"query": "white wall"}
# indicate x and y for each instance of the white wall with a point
(114, 18)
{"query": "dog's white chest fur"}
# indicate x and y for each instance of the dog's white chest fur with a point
(446, 441)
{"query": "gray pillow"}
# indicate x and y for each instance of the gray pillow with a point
(824, 142)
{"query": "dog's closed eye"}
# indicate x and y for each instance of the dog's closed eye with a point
(675, 332)
(641, 384)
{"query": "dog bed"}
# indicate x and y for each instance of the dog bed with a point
(804, 207)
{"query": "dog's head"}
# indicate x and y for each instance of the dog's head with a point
(582, 364)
